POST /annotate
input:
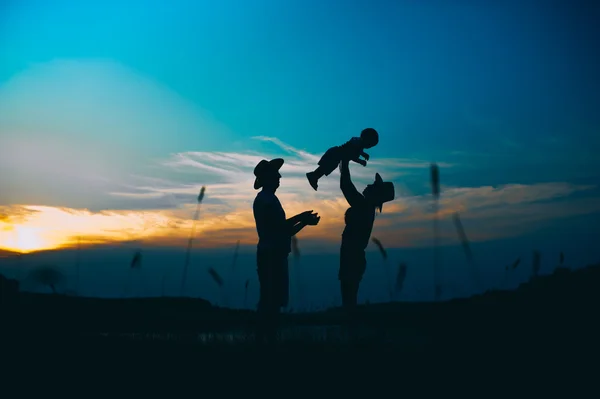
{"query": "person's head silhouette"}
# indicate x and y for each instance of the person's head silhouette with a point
(379, 192)
(267, 174)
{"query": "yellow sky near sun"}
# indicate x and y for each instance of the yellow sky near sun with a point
(35, 228)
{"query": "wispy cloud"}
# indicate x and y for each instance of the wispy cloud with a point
(300, 153)
(230, 175)
(160, 209)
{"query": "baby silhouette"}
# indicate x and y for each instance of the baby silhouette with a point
(351, 150)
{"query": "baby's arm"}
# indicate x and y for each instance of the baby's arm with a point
(359, 161)
(353, 153)
(357, 154)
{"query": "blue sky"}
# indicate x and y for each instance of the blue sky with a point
(113, 113)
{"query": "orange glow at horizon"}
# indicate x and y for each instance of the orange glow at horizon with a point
(38, 228)
(27, 228)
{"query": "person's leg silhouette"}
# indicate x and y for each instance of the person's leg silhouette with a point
(272, 276)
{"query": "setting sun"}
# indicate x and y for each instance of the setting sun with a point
(24, 239)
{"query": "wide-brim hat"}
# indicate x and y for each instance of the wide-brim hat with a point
(264, 169)
(384, 191)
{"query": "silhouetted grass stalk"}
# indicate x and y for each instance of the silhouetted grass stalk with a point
(77, 265)
(510, 268)
(219, 280)
(435, 190)
(246, 293)
(136, 263)
(384, 255)
(235, 255)
(402, 270)
(190, 240)
(462, 236)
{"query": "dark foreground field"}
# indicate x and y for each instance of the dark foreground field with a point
(543, 334)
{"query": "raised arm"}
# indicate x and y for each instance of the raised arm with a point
(348, 189)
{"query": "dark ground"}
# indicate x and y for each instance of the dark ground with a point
(541, 336)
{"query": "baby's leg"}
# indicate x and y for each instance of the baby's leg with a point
(319, 172)
(330, 161)
(327, 164)
(314, 176)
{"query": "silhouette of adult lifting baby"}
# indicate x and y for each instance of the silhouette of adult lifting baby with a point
(274, 246)
(359, 219)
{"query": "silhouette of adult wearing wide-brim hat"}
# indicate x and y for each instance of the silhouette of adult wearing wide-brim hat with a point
(359, 219)
(274, 245)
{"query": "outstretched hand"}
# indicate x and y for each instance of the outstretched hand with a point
(305, 214)
(310, 218)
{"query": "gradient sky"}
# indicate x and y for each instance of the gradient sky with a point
(114, 114)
